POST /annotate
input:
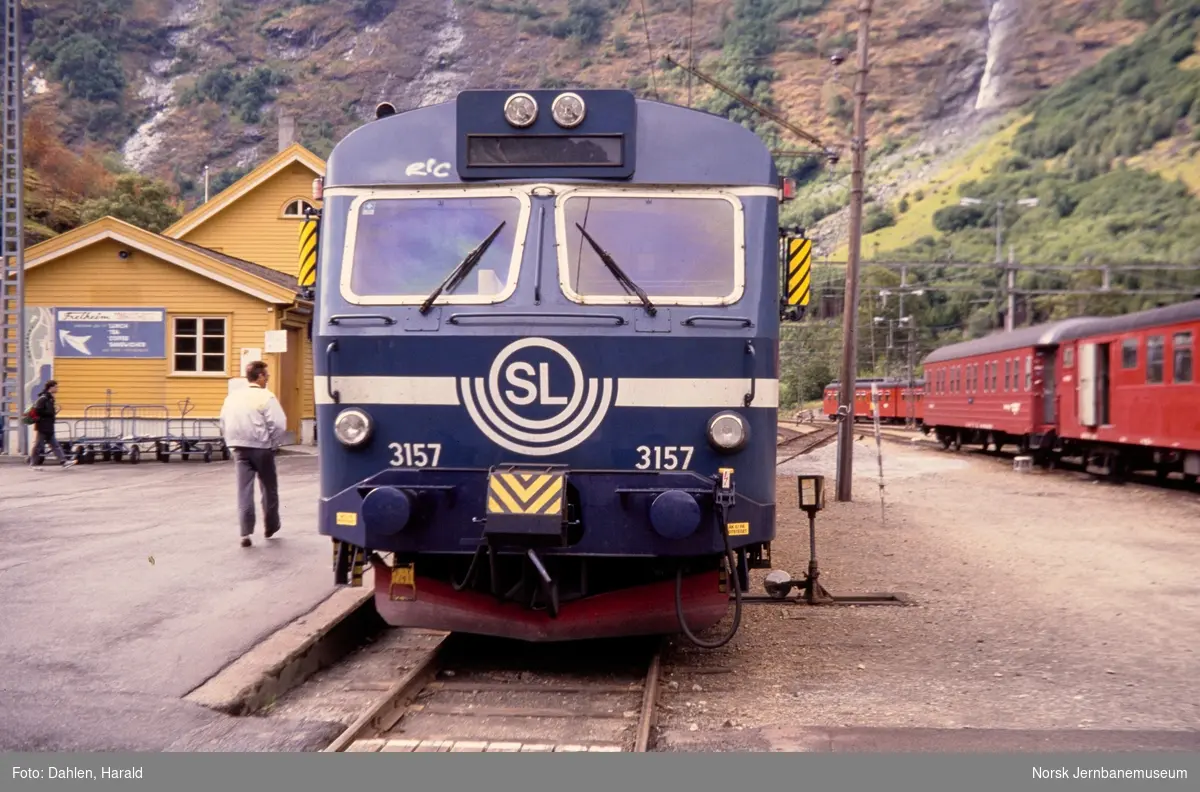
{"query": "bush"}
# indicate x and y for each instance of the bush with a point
(877, 218)
(89, 69)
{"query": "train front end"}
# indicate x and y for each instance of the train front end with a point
(546, 365)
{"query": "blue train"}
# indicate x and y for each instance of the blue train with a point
(546, 356)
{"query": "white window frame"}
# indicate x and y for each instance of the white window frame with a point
(520, 192)
(283, 212)
(199, 318)
(564, 262)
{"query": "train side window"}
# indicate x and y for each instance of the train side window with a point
(1129, 353)
(1007, 374)
(995, 376)
(1154, 359)
(1028, 373)
(1068, 357)
(1182, 343)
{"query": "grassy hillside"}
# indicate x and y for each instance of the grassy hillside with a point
(1111, 155)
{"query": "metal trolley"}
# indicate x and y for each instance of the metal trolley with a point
(199, 436)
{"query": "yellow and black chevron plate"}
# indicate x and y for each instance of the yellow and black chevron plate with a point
(530, 494)
(308, 253)
(799, 263)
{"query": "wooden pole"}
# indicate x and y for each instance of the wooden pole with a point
(849, 376)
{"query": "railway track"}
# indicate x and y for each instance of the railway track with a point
(478, 694)
(798, 444)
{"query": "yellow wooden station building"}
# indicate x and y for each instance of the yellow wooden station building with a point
(159, 327)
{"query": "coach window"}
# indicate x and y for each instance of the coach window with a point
(1154, 359)
(995, 376)
(400, 249)
(1007, 374)
(1129, 353)
(1028, 373)
(1182, 343)
(680, 248)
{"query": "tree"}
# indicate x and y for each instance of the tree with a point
(147, 203)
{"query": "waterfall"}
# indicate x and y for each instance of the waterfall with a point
(1002, 23)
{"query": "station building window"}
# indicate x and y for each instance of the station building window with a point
(1182, 343)
(1154, 359)
(295, 208)
(1129, 353)
(199, 345)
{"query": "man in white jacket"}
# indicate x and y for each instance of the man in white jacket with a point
(253, 425)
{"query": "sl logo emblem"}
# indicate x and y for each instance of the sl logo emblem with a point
(493, 407)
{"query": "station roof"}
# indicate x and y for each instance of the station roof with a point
(243, 186)
(252, 279)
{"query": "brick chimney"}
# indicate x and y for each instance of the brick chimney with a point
(287, 131)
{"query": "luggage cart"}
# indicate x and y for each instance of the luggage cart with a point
(199, 436)
(115, 437)
(98, 432)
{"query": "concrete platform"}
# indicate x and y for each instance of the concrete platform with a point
(125, 589)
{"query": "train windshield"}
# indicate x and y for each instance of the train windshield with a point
(405, 247)
(681, 250)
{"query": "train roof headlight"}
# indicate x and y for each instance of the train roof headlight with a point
(352, 427)
(568, 110)
(727, 432)
(520, 109)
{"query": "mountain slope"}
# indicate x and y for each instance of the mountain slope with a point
(176, 85)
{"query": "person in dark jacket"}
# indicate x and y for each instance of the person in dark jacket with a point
(46, 410)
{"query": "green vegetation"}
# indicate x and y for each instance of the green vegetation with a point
(245, 93)
(148, 203)
(1134, 97)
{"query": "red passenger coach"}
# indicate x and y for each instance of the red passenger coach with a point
(1118, 391)
(1129, 397)
(894, 397)
(997, 390)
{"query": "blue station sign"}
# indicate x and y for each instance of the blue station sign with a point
(110, 332)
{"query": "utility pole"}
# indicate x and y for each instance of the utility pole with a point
(1010, 321)
(845, 457)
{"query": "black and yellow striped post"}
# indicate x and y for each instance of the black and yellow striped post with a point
(307, 275)
(799, 267)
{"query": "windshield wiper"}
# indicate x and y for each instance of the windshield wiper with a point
(462, 270)
(621, 277)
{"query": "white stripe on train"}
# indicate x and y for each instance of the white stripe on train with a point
(667, 392)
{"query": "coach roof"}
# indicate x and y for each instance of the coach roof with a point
(1039, 335)
(1167, 315)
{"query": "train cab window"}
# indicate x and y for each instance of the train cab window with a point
(1182, 368)
(1154, 359)
(404, 248)
(1129, 353)
(680, 249)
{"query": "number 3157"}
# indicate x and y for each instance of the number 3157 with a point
(664, 457)
(415, 454)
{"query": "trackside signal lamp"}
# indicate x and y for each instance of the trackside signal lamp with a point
(352, 427)
(520, 110)
(787, 188)
(568, 110)
(812, 493)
